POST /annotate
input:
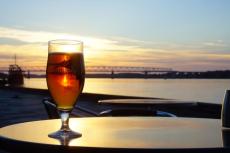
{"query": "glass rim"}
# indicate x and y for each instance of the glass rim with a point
(65, 42)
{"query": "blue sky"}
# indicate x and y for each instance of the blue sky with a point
(157, 33)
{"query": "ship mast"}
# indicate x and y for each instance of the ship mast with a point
(15, 59)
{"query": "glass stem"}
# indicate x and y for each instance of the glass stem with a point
(65, 120)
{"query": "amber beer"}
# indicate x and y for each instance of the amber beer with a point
(65, 78)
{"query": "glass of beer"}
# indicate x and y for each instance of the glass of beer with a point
(65, 75)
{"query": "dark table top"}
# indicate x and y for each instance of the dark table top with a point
(118, 134)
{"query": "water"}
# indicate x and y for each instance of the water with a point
(203, 90)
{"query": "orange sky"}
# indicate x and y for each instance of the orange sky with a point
(31, 50)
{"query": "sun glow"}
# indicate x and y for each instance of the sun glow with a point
(115, 51)
(69, 48)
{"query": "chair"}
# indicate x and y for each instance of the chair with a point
(51, 108)
(135, 112)
(77, 111)
(52, 112)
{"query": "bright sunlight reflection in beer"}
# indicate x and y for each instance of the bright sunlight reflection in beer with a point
(65, 81)
(65, 58)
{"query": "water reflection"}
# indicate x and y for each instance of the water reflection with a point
(186, 89)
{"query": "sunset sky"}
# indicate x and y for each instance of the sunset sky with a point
(191, 35)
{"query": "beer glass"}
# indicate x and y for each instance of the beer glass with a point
(65, 74)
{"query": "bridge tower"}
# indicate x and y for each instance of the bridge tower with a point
(146, 74)
(28, 74)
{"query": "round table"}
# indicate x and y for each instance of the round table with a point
(119, 134)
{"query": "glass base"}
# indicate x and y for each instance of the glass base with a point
(65, 134)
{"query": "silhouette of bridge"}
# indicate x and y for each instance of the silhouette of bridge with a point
(99, 69)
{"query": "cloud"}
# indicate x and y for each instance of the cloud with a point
(217, 43)
(10, 41)
(43, 36)
(28, 54)
(35, 42)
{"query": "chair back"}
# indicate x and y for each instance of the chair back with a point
(135, 112)
(51, 108)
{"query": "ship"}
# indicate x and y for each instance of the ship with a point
(15, 75)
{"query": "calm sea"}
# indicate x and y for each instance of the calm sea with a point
(203, 90)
